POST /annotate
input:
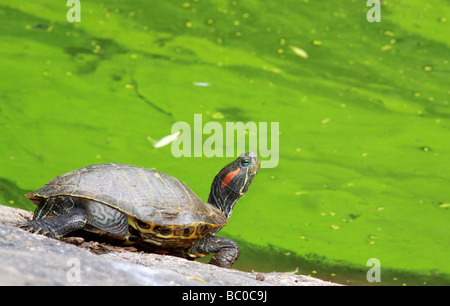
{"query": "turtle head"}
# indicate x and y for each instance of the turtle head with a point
(233, 181)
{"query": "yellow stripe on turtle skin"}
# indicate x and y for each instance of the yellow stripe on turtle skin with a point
(151, 241)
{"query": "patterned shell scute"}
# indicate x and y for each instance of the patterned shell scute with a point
(147, 194)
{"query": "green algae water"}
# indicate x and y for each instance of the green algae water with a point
(362, 109)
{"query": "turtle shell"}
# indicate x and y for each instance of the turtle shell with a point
(150, 197)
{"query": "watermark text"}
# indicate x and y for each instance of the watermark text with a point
(191, 142)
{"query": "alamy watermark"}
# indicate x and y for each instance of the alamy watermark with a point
(374, 14)
(73, 275)
(189, 141)
(374, 273)
(74, 13)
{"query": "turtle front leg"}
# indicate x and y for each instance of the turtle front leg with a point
(58, 226)
(226, 250)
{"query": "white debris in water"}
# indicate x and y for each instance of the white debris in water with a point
(202, 84)
(166, 140)
(299, 52)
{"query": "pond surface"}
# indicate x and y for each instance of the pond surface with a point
(362, 109)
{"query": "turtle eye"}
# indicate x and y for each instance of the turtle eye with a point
(245, 162)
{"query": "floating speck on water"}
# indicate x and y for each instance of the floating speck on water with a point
(386, 48)
(425, 148)
(209, 21)
(275, 70)
(217, 115)
(97, 49)
(389, 33)
(335, 227)
(202, 84)
(316, 43)
(188, 24)
(299, 52)
(427, 68)
(129, 86)
(280, 51)
(186, 5)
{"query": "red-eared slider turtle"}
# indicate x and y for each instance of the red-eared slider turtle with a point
(144, 207)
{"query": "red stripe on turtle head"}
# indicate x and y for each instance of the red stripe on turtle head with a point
(229, 177)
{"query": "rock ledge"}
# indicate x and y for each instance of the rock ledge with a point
(30, 259)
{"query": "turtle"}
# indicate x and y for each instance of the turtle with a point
(144, 207)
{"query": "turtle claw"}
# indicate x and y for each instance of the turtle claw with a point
(35, 227)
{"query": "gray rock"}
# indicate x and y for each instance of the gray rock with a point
(31, 259)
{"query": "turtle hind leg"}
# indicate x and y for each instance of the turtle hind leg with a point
(57, 226)
(226, 250)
